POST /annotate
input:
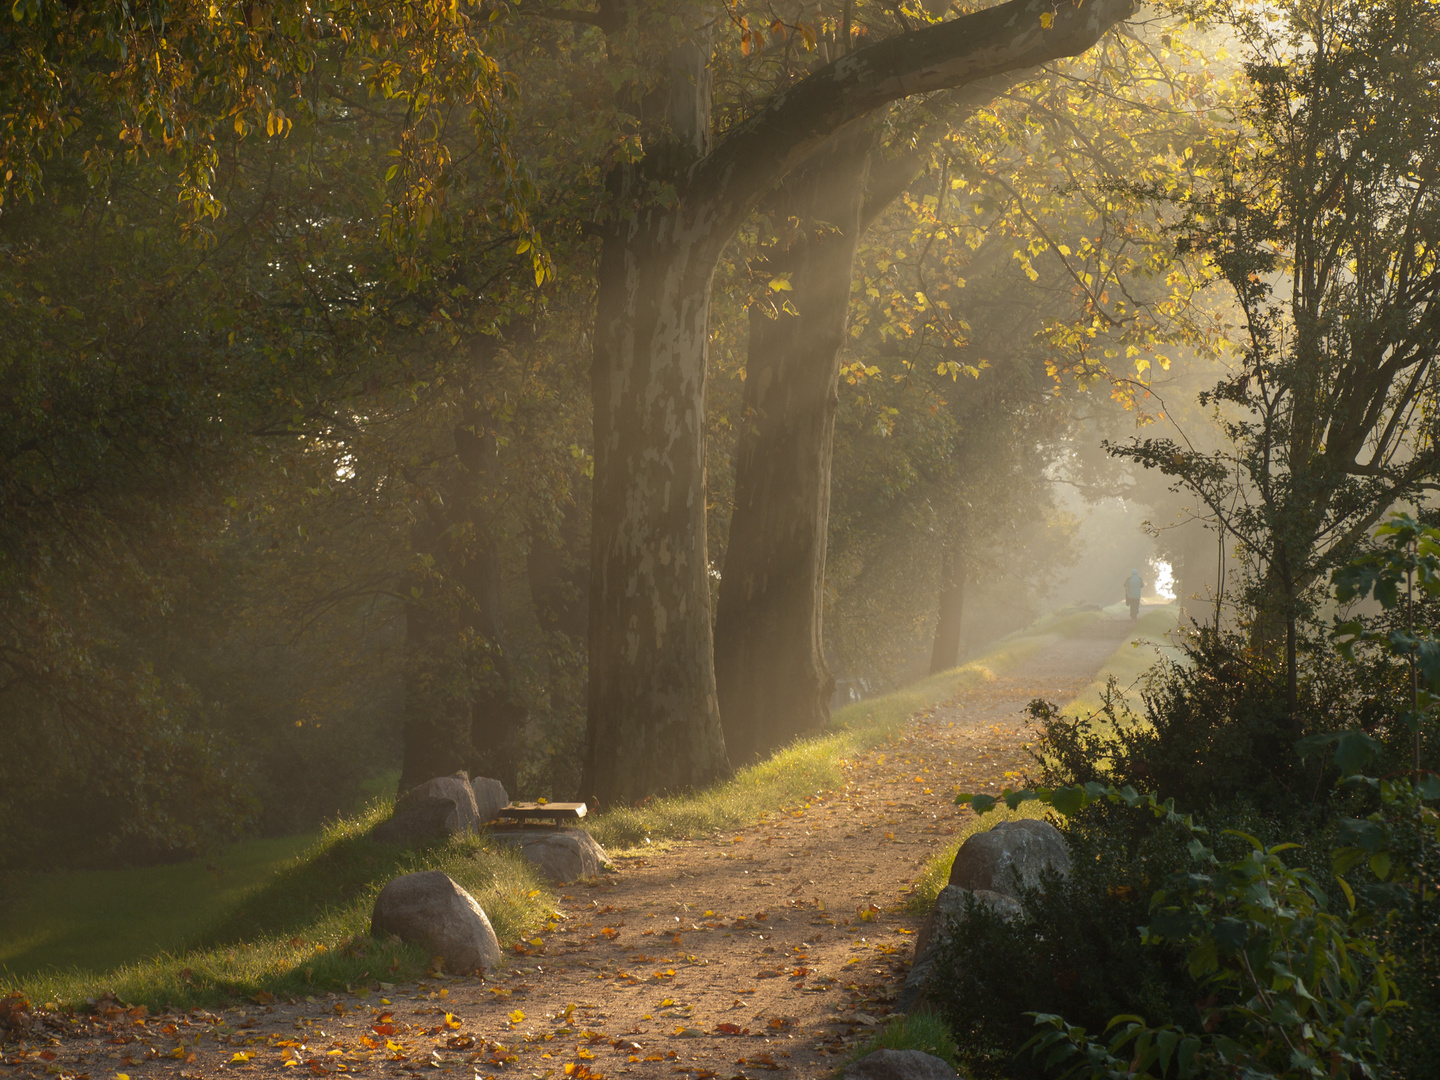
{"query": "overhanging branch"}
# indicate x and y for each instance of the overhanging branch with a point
(750, 158)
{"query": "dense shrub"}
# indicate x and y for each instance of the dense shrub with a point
(1075, 949)
(1216, 729)
(1315, 958)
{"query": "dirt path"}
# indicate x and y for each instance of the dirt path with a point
(768, 950)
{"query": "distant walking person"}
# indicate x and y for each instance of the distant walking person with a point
(1133, 588)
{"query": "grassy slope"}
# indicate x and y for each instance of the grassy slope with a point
(291, 916)
(1136, 655)
(302, 927)
(103, 918)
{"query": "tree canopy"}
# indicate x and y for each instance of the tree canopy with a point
(392, 386)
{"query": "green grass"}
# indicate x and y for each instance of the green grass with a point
(816, 764)
(1136, 655)
(100, 919)
(300, 927)
(924, 1031)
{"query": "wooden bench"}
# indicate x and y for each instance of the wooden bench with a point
(553, 813)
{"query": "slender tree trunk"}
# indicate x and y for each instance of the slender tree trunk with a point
(495, 715)
(557, 571)
(436, 716)
(946, 652)
(770, 665)
(460, 712)
(769, 657)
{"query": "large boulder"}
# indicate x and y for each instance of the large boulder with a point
(992, 867)
(934, 932)
(560, 854)
(430, 910)
(950, 906)
(490, 798)
(900, 1065)
(432, 811)
(1022, 849)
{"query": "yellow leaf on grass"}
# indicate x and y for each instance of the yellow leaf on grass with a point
(517, 1017)
(241, 1058)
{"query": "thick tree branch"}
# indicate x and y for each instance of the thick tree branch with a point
(892, 175)
(751, 157)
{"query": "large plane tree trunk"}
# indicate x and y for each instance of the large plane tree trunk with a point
(654, 723)
(654, 720)
(770, 668)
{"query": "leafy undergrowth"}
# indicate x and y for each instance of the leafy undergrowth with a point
(815, 764)
(307, 928)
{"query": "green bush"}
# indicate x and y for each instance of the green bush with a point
(1285, 984)
(1216, 730)
(1075, 949)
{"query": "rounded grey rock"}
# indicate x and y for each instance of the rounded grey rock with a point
(560, 854)
(1023, 849)
(899, 1065)
(430, 910)
(431, 811)
(490, 797)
